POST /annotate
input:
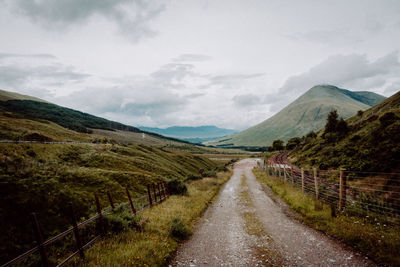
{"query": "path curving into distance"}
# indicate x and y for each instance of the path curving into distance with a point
(222, 239)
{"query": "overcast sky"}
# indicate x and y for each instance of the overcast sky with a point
(227, 63)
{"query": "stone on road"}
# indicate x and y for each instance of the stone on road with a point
(220, 238)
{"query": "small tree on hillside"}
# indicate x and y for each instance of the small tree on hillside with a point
(277, 145)
(331, 122)
(292, 143)
(342, 128)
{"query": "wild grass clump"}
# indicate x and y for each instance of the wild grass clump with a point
(178, 229)
(177, 187)
(155, 245)
(121, 219)
(377, 239)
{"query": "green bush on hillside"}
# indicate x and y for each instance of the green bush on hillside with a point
(177, 187)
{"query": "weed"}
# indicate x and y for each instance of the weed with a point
(178, 229)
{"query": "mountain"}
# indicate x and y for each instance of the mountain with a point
(192, 134)
(307, 113)
(6, 95)
(372, 143)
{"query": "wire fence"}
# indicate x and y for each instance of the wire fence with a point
(84, 233)
(372, 194)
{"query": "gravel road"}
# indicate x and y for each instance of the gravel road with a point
(220, 238)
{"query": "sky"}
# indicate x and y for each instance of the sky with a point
(229, 63)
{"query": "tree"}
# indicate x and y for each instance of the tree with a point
(331, 122)
(342, 128)
(292, 143)
(277, 145)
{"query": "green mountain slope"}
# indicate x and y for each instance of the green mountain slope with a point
(372, 143)
(305, 114)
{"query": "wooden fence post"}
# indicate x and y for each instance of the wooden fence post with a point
(166, 187)
(149, 195)
(155, 193)
(130, 201)
(284, 174)
(292, 174)
(110, 199)
(302, 180)
(342, 190)
(76, 231)
(159, 192)
(316, 184)
(101, 222)
(164, 190)
(39, 238)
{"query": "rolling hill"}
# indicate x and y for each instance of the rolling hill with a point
(307, 113)
(371, 144)
(191, 134)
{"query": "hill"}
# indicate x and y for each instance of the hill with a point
(307, 113)
(191, 134)
(6, 95)
(372, 143)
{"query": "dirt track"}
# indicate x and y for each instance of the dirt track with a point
(220, 238)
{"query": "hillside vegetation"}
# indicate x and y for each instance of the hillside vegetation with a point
(371, 142)
(305, 114)
(45, 178)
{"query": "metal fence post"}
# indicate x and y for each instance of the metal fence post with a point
(302, 180)
(292, 174)
(39, 238)
(167, 189)
(342, 192)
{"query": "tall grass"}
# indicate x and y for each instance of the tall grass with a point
(156, 244)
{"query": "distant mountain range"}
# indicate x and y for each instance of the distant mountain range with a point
(307, 113)
(191, 134)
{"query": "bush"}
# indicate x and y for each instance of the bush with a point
(177, 187)
(178, 229)
(121, 220)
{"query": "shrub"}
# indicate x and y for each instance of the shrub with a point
(177, 187)
(360, 113)
(292, 143)
(178, 229)
(121, 220)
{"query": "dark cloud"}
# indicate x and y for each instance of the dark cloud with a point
(191, 58)
(131, 16)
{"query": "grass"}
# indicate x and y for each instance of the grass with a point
(156, 244)
(377, 240)
(43, 178)
(264, 250)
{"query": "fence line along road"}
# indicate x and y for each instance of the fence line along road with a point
(159, 194)
(375, 194)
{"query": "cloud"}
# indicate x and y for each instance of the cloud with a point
(131, 16)
(246, 100)
(219, 79)
(354, 71)
(35, 74)
(14, 55)
(191, 58)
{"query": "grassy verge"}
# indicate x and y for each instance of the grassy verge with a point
(164, 227)
(379, 241)
(264, 250)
